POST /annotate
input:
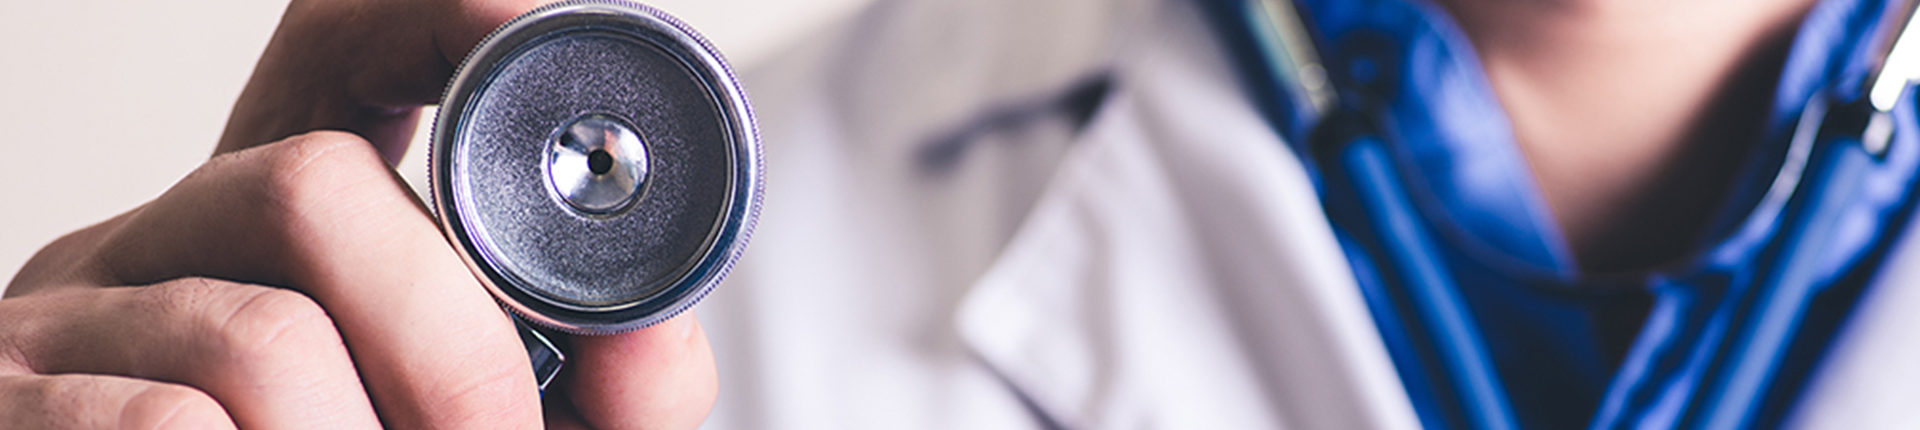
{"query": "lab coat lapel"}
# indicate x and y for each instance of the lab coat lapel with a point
(1868, 377)
(1178, 273)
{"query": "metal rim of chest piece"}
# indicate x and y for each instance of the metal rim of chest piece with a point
(668, 181)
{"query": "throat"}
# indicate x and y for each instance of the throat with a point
(1634, 116)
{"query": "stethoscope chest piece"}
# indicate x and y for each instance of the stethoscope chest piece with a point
(597, 165)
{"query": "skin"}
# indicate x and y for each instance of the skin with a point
(292, 281)
(297, 284)
(1629, 111)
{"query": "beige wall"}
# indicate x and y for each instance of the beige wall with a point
(104, 104)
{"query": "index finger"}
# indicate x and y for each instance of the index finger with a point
(322, 214)
(360, 66)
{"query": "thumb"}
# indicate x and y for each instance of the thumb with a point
(657, 377)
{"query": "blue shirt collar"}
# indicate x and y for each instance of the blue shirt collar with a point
(1468, 172)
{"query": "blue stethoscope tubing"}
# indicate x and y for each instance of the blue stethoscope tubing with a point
(1841, 143)
(1843, 151)
(1365, 167)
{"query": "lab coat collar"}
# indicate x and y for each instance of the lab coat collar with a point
(1177, 271)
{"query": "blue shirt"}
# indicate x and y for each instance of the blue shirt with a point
(1544, 323)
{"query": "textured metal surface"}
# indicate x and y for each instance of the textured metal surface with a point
(584, 271)
(592, 261)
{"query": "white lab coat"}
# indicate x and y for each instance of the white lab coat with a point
(1166, 265)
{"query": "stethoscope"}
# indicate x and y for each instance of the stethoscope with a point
(1833, 143)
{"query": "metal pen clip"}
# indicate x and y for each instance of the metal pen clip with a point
(1899, 64)
(1287, 48)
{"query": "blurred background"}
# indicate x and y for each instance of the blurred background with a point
(105, 104)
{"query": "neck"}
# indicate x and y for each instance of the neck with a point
(1632, 114)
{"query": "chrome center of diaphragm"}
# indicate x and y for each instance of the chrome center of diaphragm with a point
(596, 164)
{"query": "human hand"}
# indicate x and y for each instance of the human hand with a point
(391, 329)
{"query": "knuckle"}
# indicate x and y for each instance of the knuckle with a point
(172, 407)
(181, 297)
(244, 326)
(265, 323)
(307, 171)
(488, 394)
(57, 392)
(62, 400)
(92, 401)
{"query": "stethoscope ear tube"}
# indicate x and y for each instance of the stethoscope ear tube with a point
(1763, 330)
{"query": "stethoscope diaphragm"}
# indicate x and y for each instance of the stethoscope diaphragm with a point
(596, 163)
